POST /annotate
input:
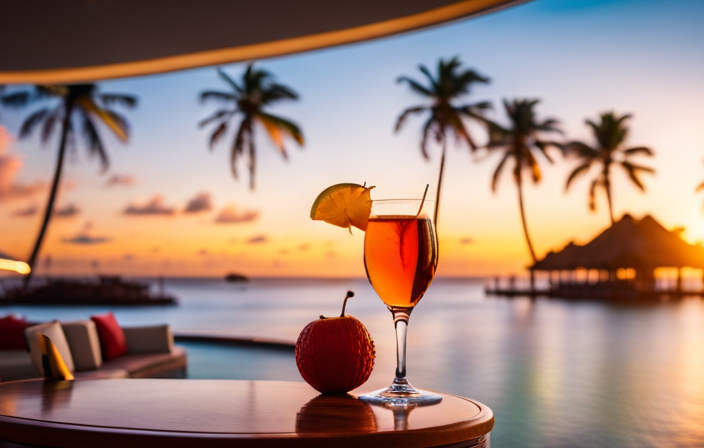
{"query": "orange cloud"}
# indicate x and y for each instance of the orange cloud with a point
(120, 179)
(84, 237)
(202, 202)
(154, 206)
(230, 215)
(10, 166)
(259, 239)
(70, 210)
(26, 212)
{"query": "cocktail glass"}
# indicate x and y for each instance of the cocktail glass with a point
(400, 257)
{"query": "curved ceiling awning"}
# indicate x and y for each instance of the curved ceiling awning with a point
(63, 41)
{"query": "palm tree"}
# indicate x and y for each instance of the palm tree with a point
(248, 99)
(80, 108)
(443, 91)
(609, 132)
(519, 143)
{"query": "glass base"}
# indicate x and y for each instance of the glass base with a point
(400, 393)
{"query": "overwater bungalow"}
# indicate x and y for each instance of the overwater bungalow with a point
(619, 263)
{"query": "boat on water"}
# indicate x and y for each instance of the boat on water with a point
(232, 277)
(106, 290)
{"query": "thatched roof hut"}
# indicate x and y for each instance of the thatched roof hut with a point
(642, 245)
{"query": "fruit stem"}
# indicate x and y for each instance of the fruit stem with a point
(344, 304)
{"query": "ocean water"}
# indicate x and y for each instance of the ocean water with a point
(556, 373)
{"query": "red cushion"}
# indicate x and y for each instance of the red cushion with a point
(12, 333)
(112, 339)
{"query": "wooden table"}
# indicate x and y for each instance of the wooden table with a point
(216, 413)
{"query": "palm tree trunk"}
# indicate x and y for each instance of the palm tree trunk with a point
(54, 189)
(437, 193)
(519, 184)
(607, 187)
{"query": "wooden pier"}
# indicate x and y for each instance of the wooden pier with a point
(603, 290)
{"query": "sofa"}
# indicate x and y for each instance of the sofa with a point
(150, 353)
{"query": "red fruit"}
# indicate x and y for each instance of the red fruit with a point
(335, 354)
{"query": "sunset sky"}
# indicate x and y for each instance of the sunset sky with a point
(169, 206)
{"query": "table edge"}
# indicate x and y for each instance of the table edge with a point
(42, 432)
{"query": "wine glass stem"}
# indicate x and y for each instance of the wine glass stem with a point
(401, 324)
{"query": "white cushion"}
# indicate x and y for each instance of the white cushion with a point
(82, 337)
(53, 331)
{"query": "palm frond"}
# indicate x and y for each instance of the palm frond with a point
(275, 135)
(70, 136)
(644, 150)
(427, 129)
(470, 76)
(402, 118)
(254, 79)
(543, 147)
(433, 82)
(536, 173)
(581, 150)
(111, 99)
(110, 119)
(592, 194)
(473, 110)
(252, 161)
(632, 172)
(499, 136)
(32, 121)
(222, 114)
(238, 145)
(215, 95)
(631, 165)
(217, 134)
(93, 142)
(622, 119)
(120, 121)
(277, 92)
(549, 125)
(579, 171)
(460, 130)
(283, 125)
(16, 99)
(49, 124)
(417, 87)
(225, 77)
(497, 171)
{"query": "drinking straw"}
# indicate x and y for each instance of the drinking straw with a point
(423, 200)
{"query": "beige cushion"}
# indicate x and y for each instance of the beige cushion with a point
(53, 331)
(152, 339)
(82, 337)
(148, 365)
